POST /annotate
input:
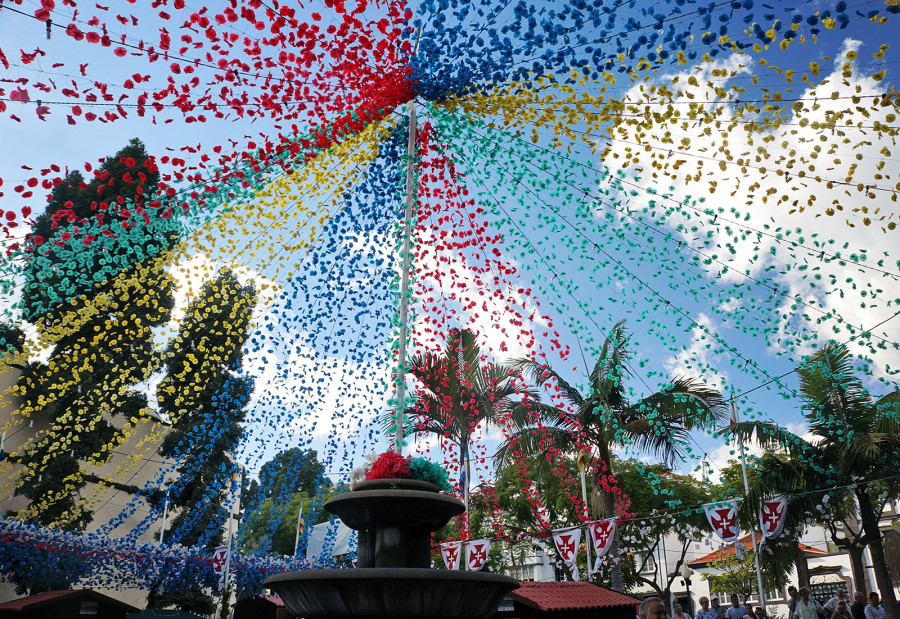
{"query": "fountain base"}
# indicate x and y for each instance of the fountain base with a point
(393, 592)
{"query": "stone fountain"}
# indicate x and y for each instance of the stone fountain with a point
(395, 519)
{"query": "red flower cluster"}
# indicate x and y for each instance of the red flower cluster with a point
(389, 465)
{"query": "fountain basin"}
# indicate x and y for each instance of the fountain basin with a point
(400, 593)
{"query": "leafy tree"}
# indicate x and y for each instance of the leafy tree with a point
(273, 527)
(66, 263)
(458, 393)
(204, 397)
(856, 443)
(604, 417)
(738, 575)
(656, 496)
(12, 338)
(101, 356)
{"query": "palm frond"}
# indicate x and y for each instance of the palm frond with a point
(539, 374)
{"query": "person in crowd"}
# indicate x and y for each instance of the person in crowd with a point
(806, 607)
(705, 611)
(793, 596)
(873, 608)
(858, 608)
(678, 613)
(736, 610)
(831, 604)
(652, 608)
(759, 613)
(841, 611)
(716, 608)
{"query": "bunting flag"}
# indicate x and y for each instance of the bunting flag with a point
(567, 542)
(772, 515)
(602, 533)
(450, 553)
(722, 517)
(476, 553)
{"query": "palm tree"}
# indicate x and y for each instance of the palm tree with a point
(659, 423)
(856, 443)
(458, 393)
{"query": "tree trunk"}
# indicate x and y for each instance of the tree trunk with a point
(876, 548)
(802, 567)
(609, 511)
(858, 568)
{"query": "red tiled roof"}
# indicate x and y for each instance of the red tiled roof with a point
(551, 596)
(728, 551)
(48, 597)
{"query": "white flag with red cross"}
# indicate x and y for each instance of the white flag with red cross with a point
(602, 533)
(722, 517)
(773, 515)
(218, 560)
(476, 553)
(567, 542)
(450, 553)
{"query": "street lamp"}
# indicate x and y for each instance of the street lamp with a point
(686, 575)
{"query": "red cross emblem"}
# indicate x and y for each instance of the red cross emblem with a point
(218, 560)
(566, 546)
(772, 513)
(477, 556)
(602, 530)
(724, 524)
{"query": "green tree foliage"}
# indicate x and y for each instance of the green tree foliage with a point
(100, 357)
(12, 338)
(119, 189)
(288, 482)
(204, 397)
(662, 503)
(855, 444)
(458, 392)
(738, 575)
(659, 423)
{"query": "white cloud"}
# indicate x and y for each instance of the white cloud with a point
(818, 295)
(697, 359)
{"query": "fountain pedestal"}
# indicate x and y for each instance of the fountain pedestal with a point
(395, 519)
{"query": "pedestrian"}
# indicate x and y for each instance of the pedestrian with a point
(806, 607)
(793, 596)
(841, 611)
(831, 605)
(715, 607)
(858, 609)
(678, 613)
(705, 611)
(873, 608)
(736, 610)
(652, 608)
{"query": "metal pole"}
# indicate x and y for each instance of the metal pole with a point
(404, 277)
(299, 521)
(162, 529)
(759, 578)
(404, 270)
(236, 477)
(587, 512)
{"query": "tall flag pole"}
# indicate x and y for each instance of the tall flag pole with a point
(404, 272)
(162, 528)
(759, 578)
(582, 464)
(299, 526)
(236, 478)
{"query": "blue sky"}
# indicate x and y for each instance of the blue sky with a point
(646, 278)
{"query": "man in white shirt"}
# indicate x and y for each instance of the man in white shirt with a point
(831, 604)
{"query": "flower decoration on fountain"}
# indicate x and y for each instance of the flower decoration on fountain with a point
(390, 465)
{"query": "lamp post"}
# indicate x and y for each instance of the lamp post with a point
(686, 573)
